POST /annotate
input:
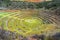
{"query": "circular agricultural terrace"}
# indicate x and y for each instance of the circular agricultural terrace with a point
(29, 24)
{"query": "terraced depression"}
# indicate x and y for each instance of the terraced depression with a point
(25, 22)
